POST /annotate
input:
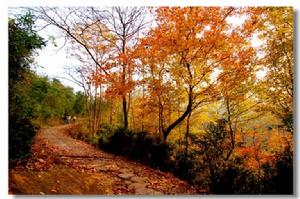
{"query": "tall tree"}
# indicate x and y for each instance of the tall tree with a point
(23, 42)
(278, 61)
(190, 43)
(125, 24)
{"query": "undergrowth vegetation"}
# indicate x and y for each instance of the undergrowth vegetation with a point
(195, 94)
(202, 167)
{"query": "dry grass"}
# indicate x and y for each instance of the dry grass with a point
(59, 179)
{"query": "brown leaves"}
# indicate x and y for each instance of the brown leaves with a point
(155, 180)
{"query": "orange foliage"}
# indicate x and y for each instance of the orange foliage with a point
(263, 147)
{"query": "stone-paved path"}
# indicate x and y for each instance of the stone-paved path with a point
(63, 165)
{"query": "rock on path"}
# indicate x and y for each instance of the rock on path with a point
(137, 184)
(86, 170)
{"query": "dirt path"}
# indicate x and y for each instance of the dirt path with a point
(63, 165)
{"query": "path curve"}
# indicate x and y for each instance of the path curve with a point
(63, 165)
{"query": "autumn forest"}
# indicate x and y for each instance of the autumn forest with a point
(172, 100)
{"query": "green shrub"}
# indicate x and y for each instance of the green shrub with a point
(79, 132)
(204, 164)
(185, 167)
(21, 134)
(234, 180)
(137, 145)
(93, 140)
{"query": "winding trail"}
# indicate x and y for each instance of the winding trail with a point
(63, 165)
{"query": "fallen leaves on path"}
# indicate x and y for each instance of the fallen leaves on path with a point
(63, 165)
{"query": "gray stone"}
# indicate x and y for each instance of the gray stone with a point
(41, 160)
(125, 176)
(142, 191)
(138, 179)
(127, 182)
(140, 188)
(136, 186)
(147, 192)
(113, 168)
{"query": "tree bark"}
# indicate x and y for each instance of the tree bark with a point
(187, 137)
(95, 112)
(231, 131)
(111, 113)
(160, 118)
(188, 109)
(124, 105)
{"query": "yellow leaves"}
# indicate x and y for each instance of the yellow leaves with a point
(279, 140)
(277, 84)
(102, 48)
(205, 114)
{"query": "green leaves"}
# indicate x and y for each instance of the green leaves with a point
(23, 41)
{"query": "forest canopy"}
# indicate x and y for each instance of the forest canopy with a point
(203, 92)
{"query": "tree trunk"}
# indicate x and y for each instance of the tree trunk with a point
(90, 111)
(95, 111)
(178, 115)
(124, 104)
(143, 94)
(160, 118)
(111, 113)
(231, 131)
(124, 101)
(99, 116)
(187, 137)
(188, 109)
(133, 119)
